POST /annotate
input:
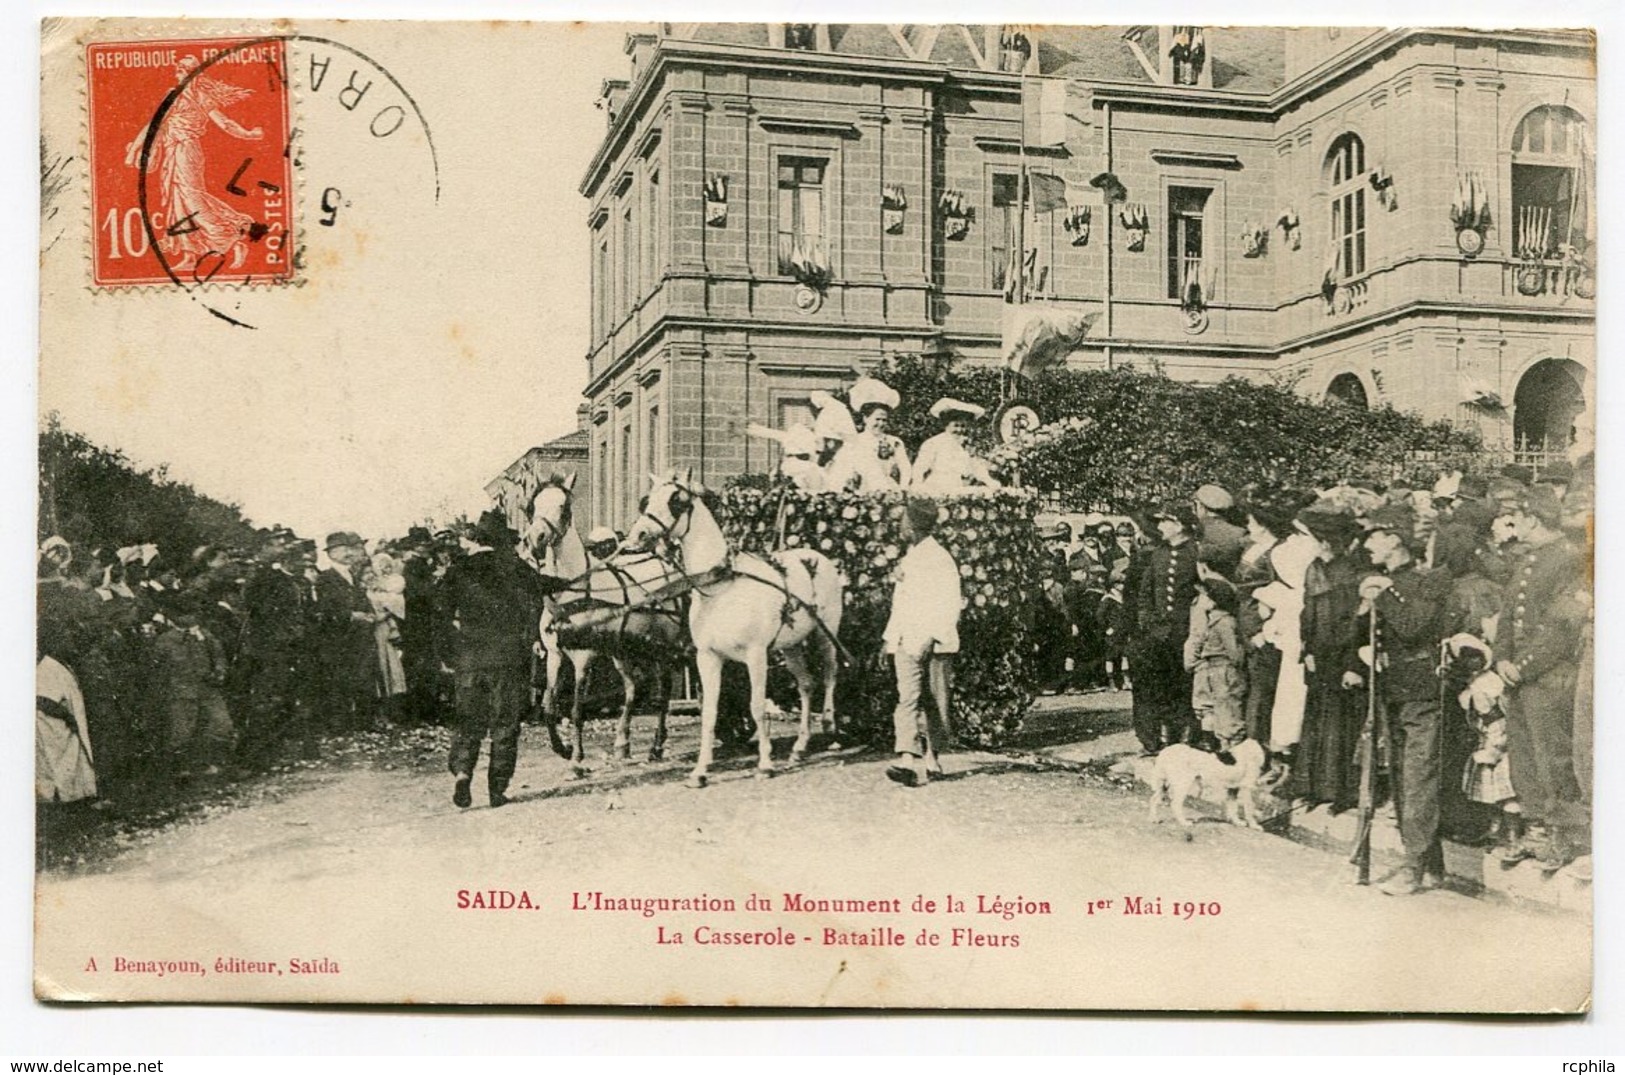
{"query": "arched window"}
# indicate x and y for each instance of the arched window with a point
(1347, 390)
(1346, 170)
(1546, 407)
(1551, 183)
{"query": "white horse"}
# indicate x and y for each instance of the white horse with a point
(742, 606)
(605, 599)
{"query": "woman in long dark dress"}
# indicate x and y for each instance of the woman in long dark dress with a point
(1324, 769)
(1266, 525)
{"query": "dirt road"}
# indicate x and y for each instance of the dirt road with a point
(1046, 889)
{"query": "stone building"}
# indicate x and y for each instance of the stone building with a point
(1398, 217)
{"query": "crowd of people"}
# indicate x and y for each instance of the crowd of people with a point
(1438, 636)
(1453, 622)
(159, 667)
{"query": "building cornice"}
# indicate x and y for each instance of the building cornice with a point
(1151, 95)
(670, 51)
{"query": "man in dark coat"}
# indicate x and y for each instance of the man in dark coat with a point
(1162, 615)
(418, 659)
(492, 600)
(269, 661)
(1411, 605)
(1537, 644)
(344, 659)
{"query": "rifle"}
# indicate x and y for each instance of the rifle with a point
(1367, 753)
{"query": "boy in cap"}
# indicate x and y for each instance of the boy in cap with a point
(1410, 607)
(922, 635)
(1216, 661)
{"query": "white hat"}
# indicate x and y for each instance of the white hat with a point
(602, 533)
(869, 392)
(949, 405)
(834, 421)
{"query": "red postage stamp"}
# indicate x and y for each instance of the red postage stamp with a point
(191, 168)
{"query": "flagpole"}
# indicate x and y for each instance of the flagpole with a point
(1021, 201)
(1019, 291)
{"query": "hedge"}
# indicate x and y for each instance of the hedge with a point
(1149, 437)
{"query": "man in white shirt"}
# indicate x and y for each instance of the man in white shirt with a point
(923, 635)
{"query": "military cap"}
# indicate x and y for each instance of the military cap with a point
(1179, 513)
(1214, 497)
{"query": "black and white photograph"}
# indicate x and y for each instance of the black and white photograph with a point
(817, 515)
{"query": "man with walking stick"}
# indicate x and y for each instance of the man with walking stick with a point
(1405, 610)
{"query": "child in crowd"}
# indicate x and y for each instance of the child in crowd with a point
(1214, 656)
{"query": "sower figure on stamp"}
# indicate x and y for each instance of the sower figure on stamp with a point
(1411, 604)
(493, 602)
(923, 635)
(178, 161)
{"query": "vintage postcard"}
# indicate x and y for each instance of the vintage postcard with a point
(840, 515)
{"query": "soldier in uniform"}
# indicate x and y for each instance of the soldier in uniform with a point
(1162, 617)
(1410, 603)
(1537, 644)
(492, 602)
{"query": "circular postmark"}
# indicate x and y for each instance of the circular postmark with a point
(209, 218)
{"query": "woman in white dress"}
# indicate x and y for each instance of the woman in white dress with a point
(945, 464)
(872, 461)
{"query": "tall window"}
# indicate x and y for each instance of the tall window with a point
(652, 461)
(801, 215)
(1186, 206)
(1001, 229)
(1550, 184)
(600, 491)
(601, 286)
(629, 261)
(1348, 175)
(653, 267)
(792, 413)
(628, 490)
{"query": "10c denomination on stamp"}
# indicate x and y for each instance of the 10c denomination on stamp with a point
(191, 173)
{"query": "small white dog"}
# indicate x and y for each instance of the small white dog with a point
(1180, 768)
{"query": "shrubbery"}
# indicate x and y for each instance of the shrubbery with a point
(1150, 438)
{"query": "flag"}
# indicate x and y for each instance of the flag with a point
(1583, 206)
(1038, 336)
(1046, 192)
(1043, 111)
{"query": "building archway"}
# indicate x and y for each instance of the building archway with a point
(1349, 390)
(1547, 406)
